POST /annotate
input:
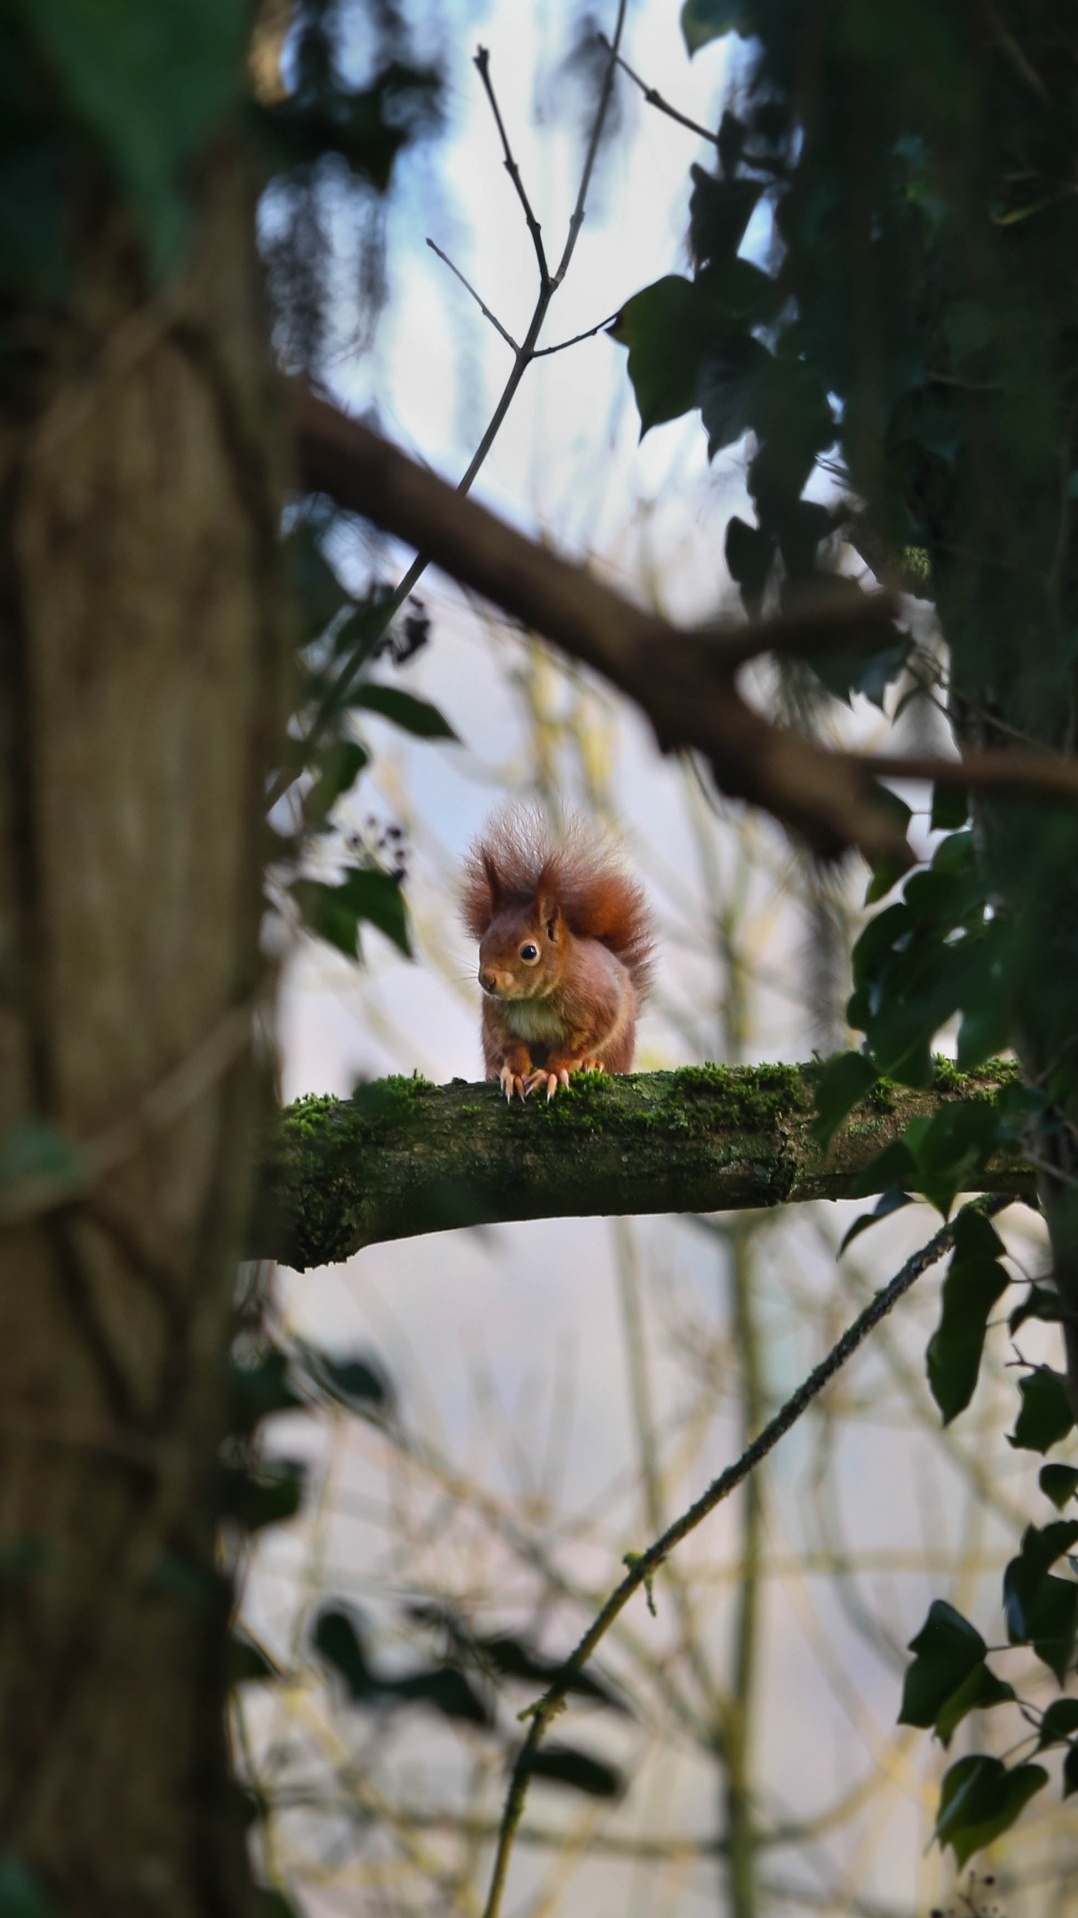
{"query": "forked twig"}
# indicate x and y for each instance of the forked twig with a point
(654, 98)
(524, 354)
(482, 65)
(644, 1567)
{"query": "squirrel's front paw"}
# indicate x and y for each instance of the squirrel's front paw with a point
(514, 1082)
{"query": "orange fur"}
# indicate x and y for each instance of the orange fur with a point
(571, 1004)
(518, 858)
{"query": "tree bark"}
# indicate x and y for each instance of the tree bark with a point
(140, 667)
(406, 1157)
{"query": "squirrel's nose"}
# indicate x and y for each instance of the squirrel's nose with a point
(487, 979)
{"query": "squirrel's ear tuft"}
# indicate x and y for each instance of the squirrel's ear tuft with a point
(493, 881)
(549, 915)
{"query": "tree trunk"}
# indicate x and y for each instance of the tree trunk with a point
(141, 649)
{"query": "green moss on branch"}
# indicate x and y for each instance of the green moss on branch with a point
(405, 1157)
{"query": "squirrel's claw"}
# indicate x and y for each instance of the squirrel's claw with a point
(512, 1082)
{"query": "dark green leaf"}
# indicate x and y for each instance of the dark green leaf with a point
(977, 1693)
(704, 20)
(1041, 1302)
(950, 808)
(258, 1389)
(268, 1496)
(565, 1765)
(248, 1662)
(37, 1149)
(359, 1382)
(338, 1639)
(886, 1204)
(728, 388)
(750, 553)
(1041, 1610)
(1059, 1723)
(334, 913)
(979, 1799)
(404, 709)
(953, 1359)
(1045, 1416)
(842, 1083)
(975, 1237)
(894, 1166)
(953, 1148)
(150, 84)
(1059, 1483)
(869, 673)
(22, 1895)
(341, 766)
(947, 1650)
(268, 1902)
(1070, 1771)
(445, 1689)
(658, 325)
(719, 212)
(514, 1657)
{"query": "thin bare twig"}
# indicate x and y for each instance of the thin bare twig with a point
(544, 352)
(576, 218)
(482, 66)
(644, 1568)
(654, 98)
(480, 302)
(524, 354)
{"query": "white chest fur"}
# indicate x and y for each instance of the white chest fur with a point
(532, 1019)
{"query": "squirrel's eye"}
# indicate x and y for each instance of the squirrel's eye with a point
(529, 952)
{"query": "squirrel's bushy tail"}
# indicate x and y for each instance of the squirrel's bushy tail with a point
(519, 858)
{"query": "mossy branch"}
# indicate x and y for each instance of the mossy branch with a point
(405, 1157)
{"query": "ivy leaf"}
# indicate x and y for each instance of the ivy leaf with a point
(658, 325)
(414, 715)
(953, 1148)
(719, 212)
(842, 1083)
(728, 388)
(950, 808)
(886, 1204)
(341, 766)
(359, 1382)
(258, 1389)
(979, 1799)
(565, 1765)
(149, 83)
(953, 1359)
(750, 554)
(981, 1690)
(334, 913)
(948, 1649)
(704, 20)
(269, 1495)
(1041, 1610)
(1059, 1483)
(1070, 1771)
(339, 1641)
(1046, 1415)
(248, 1663)
(1059, 1723)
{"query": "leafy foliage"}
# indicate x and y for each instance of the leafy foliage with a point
(901, 351)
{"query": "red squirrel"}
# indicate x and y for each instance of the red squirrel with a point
(565, 940)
